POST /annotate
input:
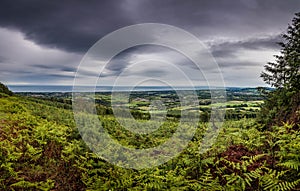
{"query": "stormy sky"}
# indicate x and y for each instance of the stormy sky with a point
(43, 42)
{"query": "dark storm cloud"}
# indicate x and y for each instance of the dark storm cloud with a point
(220, 14)
(71, 25)
(3, 59)
(56, 67)
(53, 76)
(75, 25)
(117, 65)
(130, 56)
(32, 77)
(230, 49)
(237, 64)
(152, 73)
(43, 77)
(44, 41)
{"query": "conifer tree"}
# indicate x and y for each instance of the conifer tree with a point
(283, 104)
(4, 89)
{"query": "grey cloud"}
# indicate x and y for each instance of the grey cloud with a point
(231, 48)
(129, 56)
(53, 76)
(84, 73)
(42, 77)
(208, 18)
(149, 73)
(55, 67)
(3, 59)
(31, 77)
(69, 25)
(153, 73)
(76, 25)
(117, 65)
(238, 64)
(66, 29)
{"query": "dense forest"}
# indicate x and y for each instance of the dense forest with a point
(256, 149)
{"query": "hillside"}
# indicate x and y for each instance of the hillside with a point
(42, 150)
(4, 91)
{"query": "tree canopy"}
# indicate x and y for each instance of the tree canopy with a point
(4, 89)
(283, 104)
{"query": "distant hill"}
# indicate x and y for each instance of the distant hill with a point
(4, 90)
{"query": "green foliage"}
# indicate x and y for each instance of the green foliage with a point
(283, 103)
(4, 91)
(40, 149)
(45, 186)
(285, 72)
(30, 150)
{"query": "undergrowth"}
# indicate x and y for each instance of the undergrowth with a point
(40, 149)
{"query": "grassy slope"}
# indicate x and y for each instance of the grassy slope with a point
(35, 139)
(40, 149)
